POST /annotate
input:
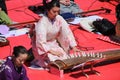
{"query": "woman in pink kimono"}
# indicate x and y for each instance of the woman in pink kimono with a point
(53, 37)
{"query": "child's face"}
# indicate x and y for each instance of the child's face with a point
(19, 61)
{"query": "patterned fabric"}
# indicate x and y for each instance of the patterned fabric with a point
(52, 35)
(9, 72)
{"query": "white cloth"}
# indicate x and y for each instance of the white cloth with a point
(86, 22)
(49, 36)
(16, 32)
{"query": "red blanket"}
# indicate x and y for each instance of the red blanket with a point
(18, 12)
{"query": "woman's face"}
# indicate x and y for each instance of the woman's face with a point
(53, 12)
(19, 61)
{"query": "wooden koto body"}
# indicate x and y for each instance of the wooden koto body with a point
(85, 58)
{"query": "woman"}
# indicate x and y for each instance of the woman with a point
(53, 38)
(69, 6)
(12, 68)
(3, 5)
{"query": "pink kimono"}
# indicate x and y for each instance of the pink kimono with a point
(51, 35)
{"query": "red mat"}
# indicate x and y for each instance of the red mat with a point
(18, 12)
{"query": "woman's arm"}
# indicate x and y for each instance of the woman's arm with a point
(41, 36)
(68, 32)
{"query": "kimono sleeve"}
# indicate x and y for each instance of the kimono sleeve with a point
(7, 73)
(67, 32)
(41, 41)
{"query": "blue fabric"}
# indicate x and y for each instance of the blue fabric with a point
(68, 16)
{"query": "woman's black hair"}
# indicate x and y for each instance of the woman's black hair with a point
(51, 4)
(19, 50)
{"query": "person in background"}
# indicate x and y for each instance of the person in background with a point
(4, 18)
(12, 68)
(3, 6)
(69, 6)
(69, 10)
(53, 37)
(117, 9)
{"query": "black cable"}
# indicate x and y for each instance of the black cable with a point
(81, 47)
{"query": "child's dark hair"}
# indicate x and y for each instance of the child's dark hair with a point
(19, 50)
(51, 4)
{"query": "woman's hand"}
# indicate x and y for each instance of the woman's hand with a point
(56, 53)
(75, 49)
